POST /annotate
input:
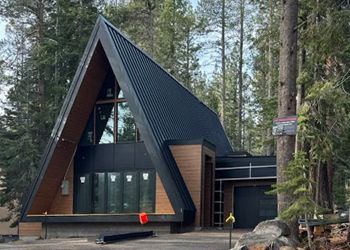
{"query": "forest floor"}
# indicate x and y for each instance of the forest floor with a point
(218, 239)
(333, 237)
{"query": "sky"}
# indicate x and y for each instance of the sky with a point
(2, 29)
(2, 36)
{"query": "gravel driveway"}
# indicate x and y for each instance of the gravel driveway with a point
(212, 240)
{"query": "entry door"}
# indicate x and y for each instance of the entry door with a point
(252, 205)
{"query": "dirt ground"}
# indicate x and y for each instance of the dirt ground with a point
(195, 240)
(5, 226)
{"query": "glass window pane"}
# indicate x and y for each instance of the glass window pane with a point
(147, 191)
(130, 195)
(114, 193)
(105, 123)
(83, 198)
(98, 193)
(120, 94)
(88, 135)
(107, 91)
(126, 123)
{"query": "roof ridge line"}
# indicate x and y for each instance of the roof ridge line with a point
(102, 18)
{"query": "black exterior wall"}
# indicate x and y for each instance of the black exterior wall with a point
(109, 157)
(250, 167)
(101, 158)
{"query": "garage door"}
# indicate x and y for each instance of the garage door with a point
(252, 205)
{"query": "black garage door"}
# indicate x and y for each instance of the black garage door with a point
(252, 205)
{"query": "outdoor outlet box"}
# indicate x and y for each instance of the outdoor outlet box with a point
(65, 187)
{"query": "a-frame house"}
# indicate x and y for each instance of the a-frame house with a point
(129, 138)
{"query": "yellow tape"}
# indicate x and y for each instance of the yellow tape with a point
(230, 218)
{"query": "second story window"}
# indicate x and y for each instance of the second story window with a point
(111, 120)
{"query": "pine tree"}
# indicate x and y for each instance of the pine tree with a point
(138, 19)
(47, 50)
(286, 98)
(217, 18)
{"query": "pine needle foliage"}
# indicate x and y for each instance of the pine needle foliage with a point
(297, 187)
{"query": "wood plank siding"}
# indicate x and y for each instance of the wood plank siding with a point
(190, 161)
(63, 204)
(163, 205)
(30, 228)
(70, 137)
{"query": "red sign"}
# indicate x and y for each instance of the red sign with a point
(143, 218)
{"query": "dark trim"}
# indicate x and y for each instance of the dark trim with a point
(242, 153)
(250, 157)
(200, 141)
(100, 218)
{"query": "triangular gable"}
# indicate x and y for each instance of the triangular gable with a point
(162, 108)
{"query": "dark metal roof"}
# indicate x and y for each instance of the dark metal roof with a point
(173, 111)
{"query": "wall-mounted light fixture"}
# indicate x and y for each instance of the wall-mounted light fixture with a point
(82, 179)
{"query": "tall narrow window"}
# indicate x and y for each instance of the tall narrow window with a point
(130, 195)
(98, 193)
(126, 123)
(114, 193)
(107, 91)
(83, 202)
(105, 123)
(147, 192)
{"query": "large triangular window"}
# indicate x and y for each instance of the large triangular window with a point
(111, 121)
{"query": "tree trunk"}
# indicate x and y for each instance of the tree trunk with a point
(270, 146)
(287, 97)
(223, 64)
(150, 30)
(240, 78)
(40, 79)
(187, 64)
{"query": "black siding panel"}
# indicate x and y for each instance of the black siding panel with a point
(104, 157)
(124, 155)
(238, 167)
(233, 173)
(222, 162)
(264, 172)
(112, 157)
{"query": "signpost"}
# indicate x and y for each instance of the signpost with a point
(285, 125)
(230, 219)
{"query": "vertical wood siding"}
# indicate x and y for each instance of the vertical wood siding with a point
(163, 205)
(71, 133)
(63, 204)
(30, 228)
(189, 161)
